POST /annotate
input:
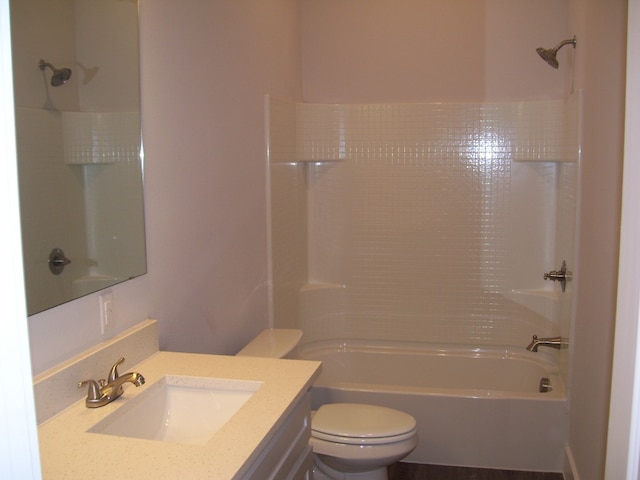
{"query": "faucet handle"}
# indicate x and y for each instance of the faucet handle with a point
(113, 373)
(93, 392)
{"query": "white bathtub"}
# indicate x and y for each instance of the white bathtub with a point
(479, 408)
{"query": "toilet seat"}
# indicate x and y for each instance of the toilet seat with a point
(359, 424)
(363, 441)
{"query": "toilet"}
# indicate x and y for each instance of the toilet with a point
(349, 440)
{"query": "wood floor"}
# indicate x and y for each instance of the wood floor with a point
(414, 471)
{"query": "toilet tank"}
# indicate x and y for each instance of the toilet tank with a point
(273, 343)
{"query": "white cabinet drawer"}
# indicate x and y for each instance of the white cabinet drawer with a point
(288, 449)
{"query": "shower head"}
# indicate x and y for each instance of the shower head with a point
(549, 54)
(59, 77)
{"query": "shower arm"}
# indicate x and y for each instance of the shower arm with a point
(42, 64)
(565, 42)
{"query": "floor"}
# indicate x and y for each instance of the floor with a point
(414, 471)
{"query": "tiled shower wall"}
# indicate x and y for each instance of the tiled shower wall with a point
(422, 222)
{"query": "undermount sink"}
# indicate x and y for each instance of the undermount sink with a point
(179, 409)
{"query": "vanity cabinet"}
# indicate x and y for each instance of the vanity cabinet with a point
(287, 456)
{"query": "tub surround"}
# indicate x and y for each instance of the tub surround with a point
(68, 451)
(408, 221)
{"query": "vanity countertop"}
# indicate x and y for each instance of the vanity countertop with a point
(68, 451)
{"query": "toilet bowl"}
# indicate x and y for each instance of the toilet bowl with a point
(358, 441)
(350, 441)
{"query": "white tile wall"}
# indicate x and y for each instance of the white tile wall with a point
(418, 227)
(96, 138)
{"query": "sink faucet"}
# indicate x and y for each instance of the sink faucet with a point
(553, 342)
(104, 391)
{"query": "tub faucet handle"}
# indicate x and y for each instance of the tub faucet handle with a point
(561, 276)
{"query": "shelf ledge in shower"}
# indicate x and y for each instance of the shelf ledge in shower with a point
(319, 160)
(307, 287)
(521, 159)
(543, 302)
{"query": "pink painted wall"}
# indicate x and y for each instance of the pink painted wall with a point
(203, 103)
(430, 50)
(601, 28)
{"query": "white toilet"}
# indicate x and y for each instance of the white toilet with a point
(349, 440)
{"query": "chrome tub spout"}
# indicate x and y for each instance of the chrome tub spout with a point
(553, 342)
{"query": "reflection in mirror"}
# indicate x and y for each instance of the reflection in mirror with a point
(76, 83)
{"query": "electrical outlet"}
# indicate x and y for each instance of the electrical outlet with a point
(106, 312)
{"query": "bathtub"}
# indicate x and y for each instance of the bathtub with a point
(474, 407)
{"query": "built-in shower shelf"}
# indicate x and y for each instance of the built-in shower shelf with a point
(100, 138)
(89, 161)
(275, 159)
(568, 159)
(307, 287)
(543, 302)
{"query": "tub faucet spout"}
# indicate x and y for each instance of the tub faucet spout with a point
(553, 342)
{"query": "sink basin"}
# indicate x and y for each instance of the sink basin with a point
(179, 409)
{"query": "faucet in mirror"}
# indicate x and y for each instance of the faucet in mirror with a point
(77, 105)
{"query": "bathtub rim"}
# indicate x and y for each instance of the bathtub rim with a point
(506, 353)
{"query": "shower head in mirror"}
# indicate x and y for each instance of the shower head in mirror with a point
(59, 77)
(549, 54)
(88, 73)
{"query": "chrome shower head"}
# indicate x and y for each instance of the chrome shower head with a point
(549, 54)
(59, 77)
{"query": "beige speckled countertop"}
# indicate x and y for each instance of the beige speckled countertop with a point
(68, 452)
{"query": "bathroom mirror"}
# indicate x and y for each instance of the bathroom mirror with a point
(77, 107)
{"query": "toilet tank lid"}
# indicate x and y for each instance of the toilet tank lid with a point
(273, 343)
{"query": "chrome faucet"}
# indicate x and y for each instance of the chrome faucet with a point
(553, 342)
(104, 391)
(562, 276)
